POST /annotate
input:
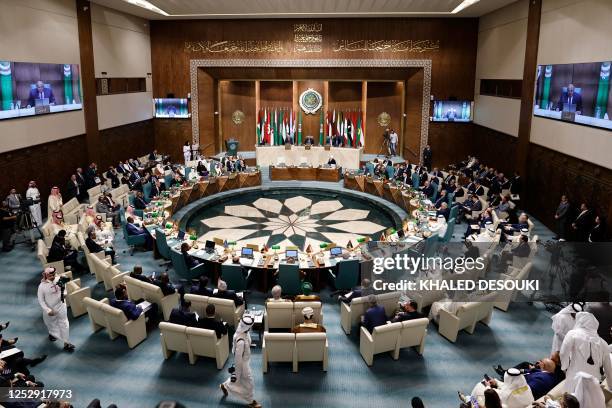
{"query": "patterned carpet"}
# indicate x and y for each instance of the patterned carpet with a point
(140, 378)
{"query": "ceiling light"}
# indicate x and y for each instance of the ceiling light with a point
(146, 5)
(464, 4)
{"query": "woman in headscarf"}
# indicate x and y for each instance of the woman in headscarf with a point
(54, 309)
(55, 201)
(241, 382)
(562, 323)
(583, 350)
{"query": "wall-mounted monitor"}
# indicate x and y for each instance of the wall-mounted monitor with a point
(452, 111)
(29, 88)
(576, 93)
(171, 108)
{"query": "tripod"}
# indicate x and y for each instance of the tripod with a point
(384, 147)
(26, 224)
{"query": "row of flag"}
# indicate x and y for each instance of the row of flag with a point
(279, 126)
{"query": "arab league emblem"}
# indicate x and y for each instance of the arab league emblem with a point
(310, 101)
(384, 119)
(238, 117)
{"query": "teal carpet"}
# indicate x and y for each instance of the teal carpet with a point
(140, 378)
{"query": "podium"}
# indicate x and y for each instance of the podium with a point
(231, 147)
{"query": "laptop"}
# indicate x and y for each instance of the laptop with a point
(291, 253)
(335, 251)
(181, 235)
(209, 247)
(246, 253)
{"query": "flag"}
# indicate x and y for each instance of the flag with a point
(321, 129)
(299, 127)
(345, 129)
(603, 89)
(546, 87)
(272, 132)
(291, 126)
(360, 135)
(258, 128)
(328, 125)
(6, 86)
(68, 98)
(267, 127)
(281, 127)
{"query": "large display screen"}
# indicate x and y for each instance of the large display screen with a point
(452, 111)
(28, 89)
(577, 93)
(171, 108)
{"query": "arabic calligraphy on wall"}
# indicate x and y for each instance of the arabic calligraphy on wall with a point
(235, 46)
(387, 45)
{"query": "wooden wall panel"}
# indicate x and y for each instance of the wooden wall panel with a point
(275, 94)
(453, 63)
(382, 97)
(311, 123)
(450, 142)
(208, 109)
(413, 105)
(170, 135)
(238, 95)
(53, 163)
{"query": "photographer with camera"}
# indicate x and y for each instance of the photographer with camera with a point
(7, 223)
(55, 313)
(241, 381)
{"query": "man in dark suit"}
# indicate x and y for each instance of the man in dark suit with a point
(365, 289)
(441, 199)
(562, 215)
(427, 189)
(80, 178)
(60, 252)
(583, 223)
(190, 261)
(72, 189)
(94, 247)
(374, 316)
(223, 293)
(91, 176)
(112, 175)
(133, 229)
(210, 322)
(137, 274)
(201, 288)
(39, 93)
(131, 310)
(183, 315)
(443, 210)
(164, 284)
(571, 98)
(139, 201)
(427, 157)
(408, 311)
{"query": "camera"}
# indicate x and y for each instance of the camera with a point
(232, 371)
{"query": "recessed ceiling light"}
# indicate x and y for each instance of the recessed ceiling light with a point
(465, 4)
(146, 5)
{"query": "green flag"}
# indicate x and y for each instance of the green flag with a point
(546, 87)
(258, 127)
(321, 128)
(300, 127)
(601, 104)
(6, 85)
(67, 84)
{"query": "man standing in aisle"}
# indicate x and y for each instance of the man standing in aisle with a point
(427, 157)
(55, 313)
(393, 139)
(33, 193)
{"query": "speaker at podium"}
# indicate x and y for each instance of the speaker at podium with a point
(231, 147)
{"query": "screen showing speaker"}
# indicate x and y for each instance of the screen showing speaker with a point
(29, 88)
(452, 111)
(171, 108)
(577, 93)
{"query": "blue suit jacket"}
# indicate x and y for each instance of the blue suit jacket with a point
(34, 94)
(540, 382)
(134, 230)
(130, 309)
(374, 316)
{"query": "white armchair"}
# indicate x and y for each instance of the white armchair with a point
(298, 317)
(310, 347)
(173, 339)
(383, 339)
(350, 313)
(505, 297)
(278, 315)
(467, 316)
(205, 343)
(277, 347)
(75, 295)
(135, 331)
(412, 334)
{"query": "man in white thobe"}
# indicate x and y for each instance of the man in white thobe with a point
(513, 392)
(243, 384)
(562, 323)
(584, 351)
(55, 312)
(187, 152)
(33, 193)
